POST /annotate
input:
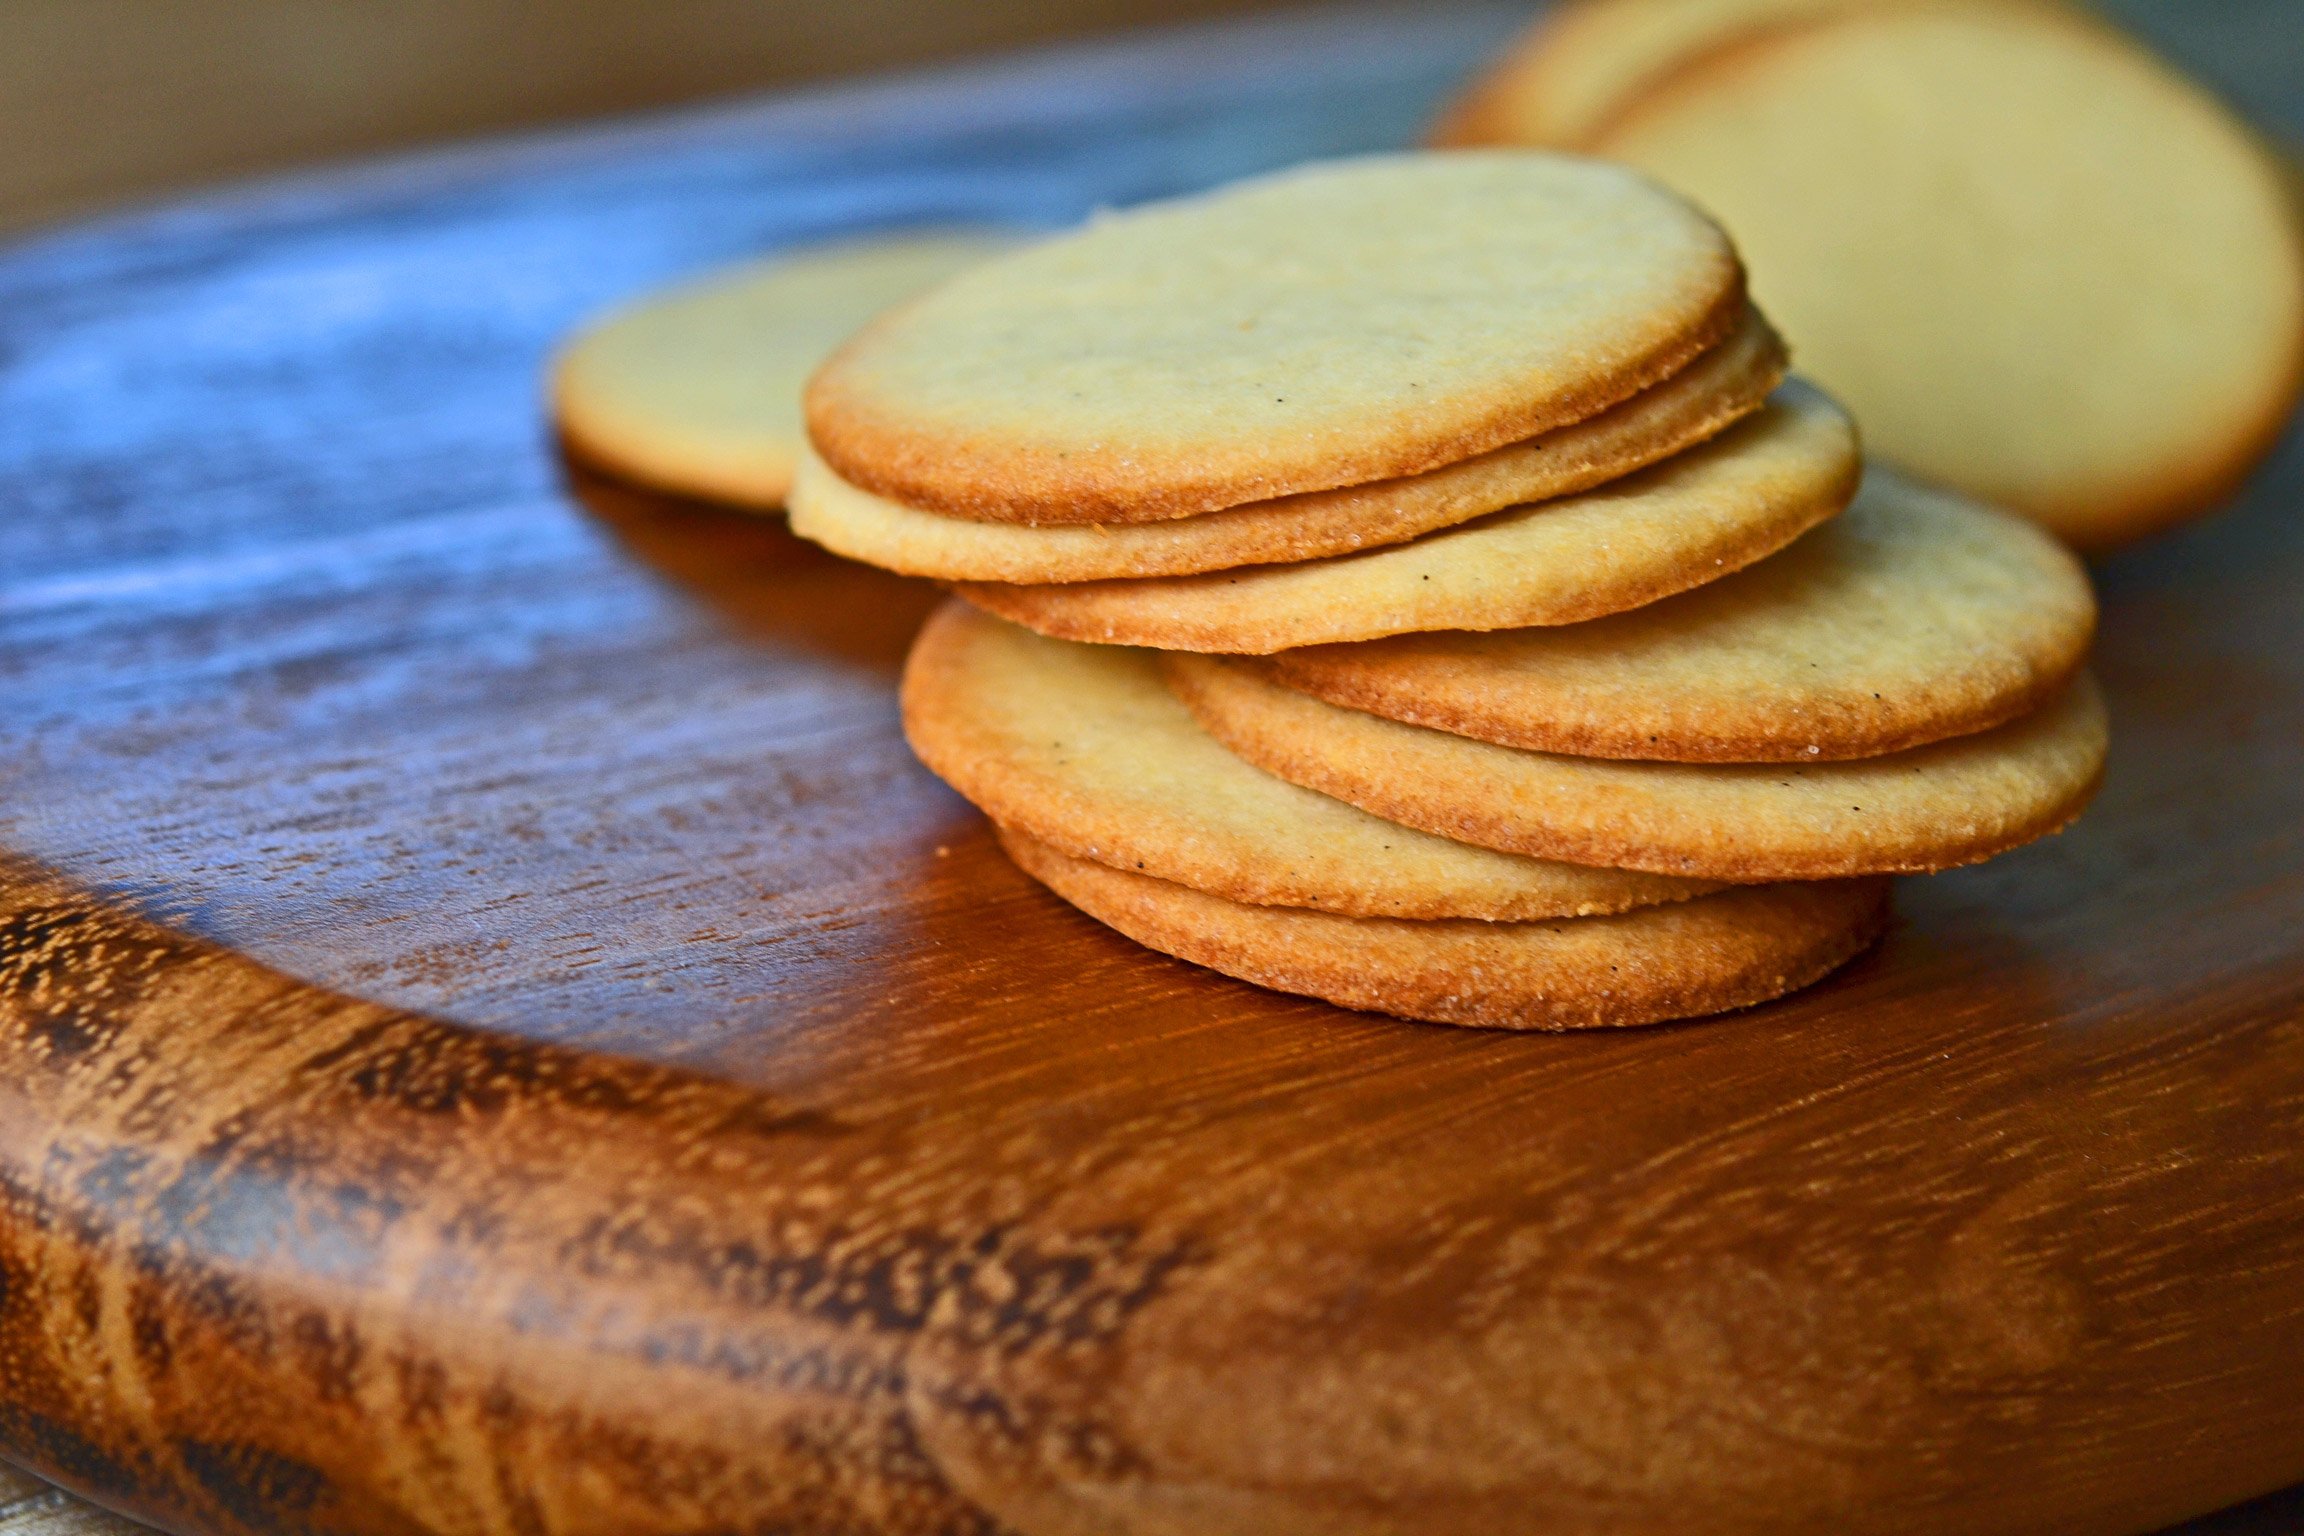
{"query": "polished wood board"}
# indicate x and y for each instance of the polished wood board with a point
(29, 1507)
(498, 1035)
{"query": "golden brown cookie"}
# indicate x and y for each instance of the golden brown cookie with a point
(1333, 325)
(697, 391)
(1084, 748)
(1934, 807)
(1578, 64)
(2036, 262)
(1718, 389)
(1689, 520)
(1708, 955)
(1912, 617)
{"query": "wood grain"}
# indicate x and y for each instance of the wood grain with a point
(29, 1507)
(496, 1034)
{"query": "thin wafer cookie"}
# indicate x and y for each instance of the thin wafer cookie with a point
(1934, 807)
(1710, 955)
(1349, 322)
(1691, 519)
(1720, 388)
(1913, 616)
(1084, 748)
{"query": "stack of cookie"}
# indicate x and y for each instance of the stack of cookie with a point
(1409, 582)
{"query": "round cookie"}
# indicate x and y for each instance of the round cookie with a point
(2037, 263)
(1580, 62)
(1083, 747)
(697, 391)
(1333, 325)
(1913, 616)
(1691, 519)
(1934, 807)
(1719, 388)
(1709, 955)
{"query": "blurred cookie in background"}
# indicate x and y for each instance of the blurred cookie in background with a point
(2038, 263)
(697, 391)
(1570, 72)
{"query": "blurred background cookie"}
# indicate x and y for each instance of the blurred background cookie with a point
(1576, 67)
(697, 391)
(2036, 261)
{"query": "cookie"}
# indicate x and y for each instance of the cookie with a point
(1708, 955)
(1914, 616)
(1083, 748)
(1954, 802)
(1719, 388)
(1691, 519)
(2037, 263)
(1569, 73)
(697, 391)
(1349, 322)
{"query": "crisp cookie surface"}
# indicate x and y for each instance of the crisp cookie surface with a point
(1718, 389)
(2037, 263)
(1084, 748)
(1934, 807)
(1691, 519)
(1334, 325)
(697, 391)
(1708, 955)
(1914, 616)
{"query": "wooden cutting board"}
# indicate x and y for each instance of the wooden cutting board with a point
(497, 1034)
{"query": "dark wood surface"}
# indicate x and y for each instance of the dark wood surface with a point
(496, 1034)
